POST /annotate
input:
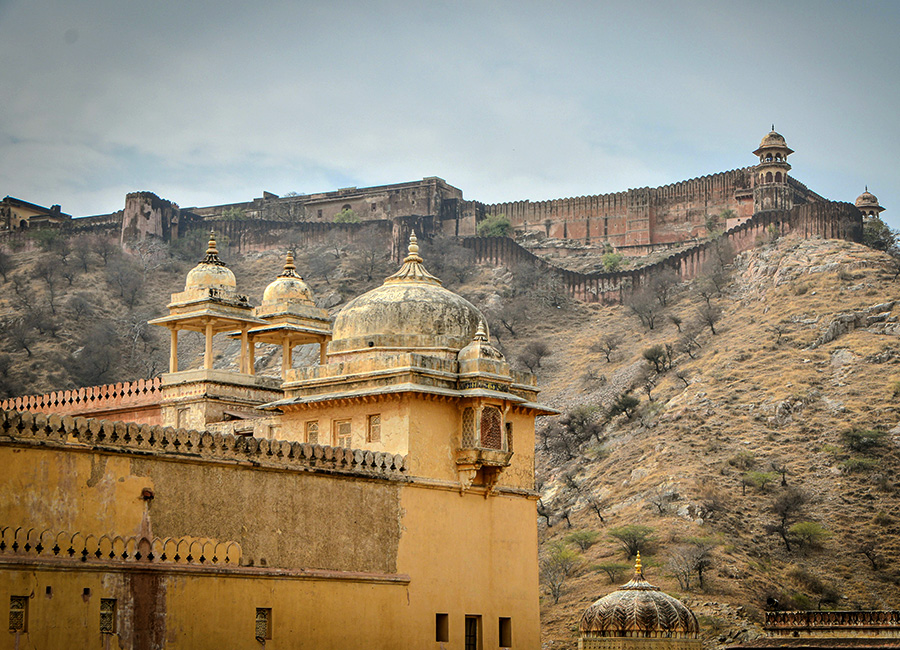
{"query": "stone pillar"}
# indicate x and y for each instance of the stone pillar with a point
(208, 355)
(251, 357)
(173, 351)
(286, 357)
(245, 354)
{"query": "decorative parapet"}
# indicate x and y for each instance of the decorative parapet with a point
(24, 542)
(127, 437)
(839, 623)
(143, 392)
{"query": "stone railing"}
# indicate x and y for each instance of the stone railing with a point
(844, 622)
(121, 437)
(27, 543)
(143, 392)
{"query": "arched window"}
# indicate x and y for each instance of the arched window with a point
(769, 158)
(769, 177)
(777, 177)
(491, 425)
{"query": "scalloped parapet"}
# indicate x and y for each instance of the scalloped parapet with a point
(142, 393)
(17, 427)
(30, 542)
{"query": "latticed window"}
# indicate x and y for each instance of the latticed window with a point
(468, 428)
(312, 432)
(374, 433)
(108, 615)
(491, 427)
(18, 613)
(263, 623)
(342, 434)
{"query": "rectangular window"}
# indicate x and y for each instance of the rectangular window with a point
(442, 628)
(182, 417)
(373, 207)
(509, 437)
(274, 431)
(263, 623)
(18, 613)
(107, 615)
(312, 432)
(374, 429)
(319, 213)
(473, 633)
(505, 632)
(342, 433)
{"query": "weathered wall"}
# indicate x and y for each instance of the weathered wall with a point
(826, 219)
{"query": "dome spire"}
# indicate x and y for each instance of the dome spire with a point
(638, 570)
(212, 253)
(481, 333)
(412, 269)
(290, 271)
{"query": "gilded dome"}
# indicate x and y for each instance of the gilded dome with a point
(211, 272)
(867, 200)
(288, 286)
(410, 311)
(638, 609)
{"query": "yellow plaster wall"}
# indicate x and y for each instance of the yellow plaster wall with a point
(470, 555)
(394, 413)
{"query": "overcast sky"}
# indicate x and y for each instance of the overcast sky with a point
(207, 102)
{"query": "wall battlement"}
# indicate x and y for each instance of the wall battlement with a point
(201, 446)
(118, 397)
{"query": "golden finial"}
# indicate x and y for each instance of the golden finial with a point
(638, 570)
(412, 269)
(212, 253)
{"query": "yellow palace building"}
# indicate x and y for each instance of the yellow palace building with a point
(381, 499)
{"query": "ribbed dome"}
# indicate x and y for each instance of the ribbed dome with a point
(288, 287)
(773, 139)
(410, 311)
(638, 609)
(867, 200)
(211, 272)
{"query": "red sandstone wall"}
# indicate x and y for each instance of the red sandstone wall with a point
(136, 401)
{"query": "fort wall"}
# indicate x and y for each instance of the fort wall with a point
(824, 219)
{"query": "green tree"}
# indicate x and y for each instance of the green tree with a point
(347, 215)
(633, 538)
(624, 403)
(234, 214)
(494, 225)
(863, 440)
(808, 534)
(557, 564)
(877, 235)
(612, 261)
(583, 539)
(613, 570)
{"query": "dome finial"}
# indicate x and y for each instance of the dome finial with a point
(773, 126)
(638, 570)
(481, 333)
(412, 269)
(290, 271)
(867, 188)
(212, 253)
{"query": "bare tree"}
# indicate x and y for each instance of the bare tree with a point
(21, 334)
(643, 304)
(6, 264)
(662, 284)
(607, 345)
(557, 564)
(710, 314)
(48, 271)
(533, 353)
(786, 509)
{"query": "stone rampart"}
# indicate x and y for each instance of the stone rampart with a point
(17, 427)
(825, 219)
(835, 623)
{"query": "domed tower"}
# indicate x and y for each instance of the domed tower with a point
(410, 370)
(770, 177)
(638, 616)
(291, 317)
(868, 205)
(211, 305)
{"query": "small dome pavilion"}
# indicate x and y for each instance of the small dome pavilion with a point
(868, 205)
(638, 615)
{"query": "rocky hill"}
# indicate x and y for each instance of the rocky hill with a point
(748, 437)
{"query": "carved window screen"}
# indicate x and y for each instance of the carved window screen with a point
(491, 427)
(468, 428)
(18, 608)
(312, 432)
(374, 433)
(107, 615)
(342, 434)
(263, 623)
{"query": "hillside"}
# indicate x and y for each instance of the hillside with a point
(806, 349)
(725, 425)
